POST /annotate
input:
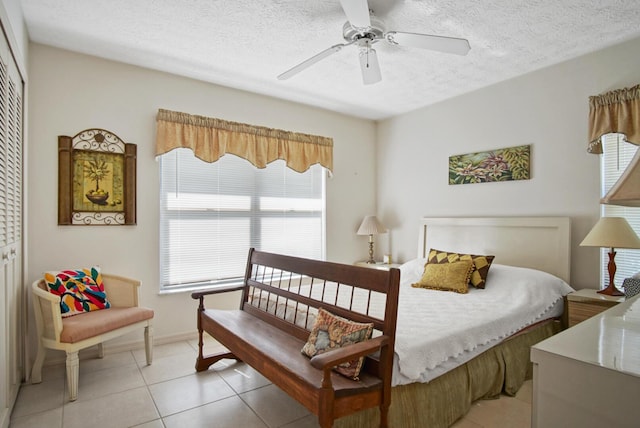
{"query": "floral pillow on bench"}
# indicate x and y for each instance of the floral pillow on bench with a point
(330, 332)
(80, 290)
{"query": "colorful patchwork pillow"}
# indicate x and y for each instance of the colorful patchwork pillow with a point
(447, 276)
(80, 290)
(330, 332)
(481, 264)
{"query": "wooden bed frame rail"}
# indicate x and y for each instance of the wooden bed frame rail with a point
(280, 297)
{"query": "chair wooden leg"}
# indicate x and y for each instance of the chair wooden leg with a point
(36, 371)
(73, 366)
(148, 343)
(100, 350)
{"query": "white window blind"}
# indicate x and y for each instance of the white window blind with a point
(212, 213)
(616, 156)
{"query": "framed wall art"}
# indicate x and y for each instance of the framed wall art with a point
(96, 179)
(511, 163)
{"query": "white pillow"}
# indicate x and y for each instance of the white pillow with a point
(531, 279)
(412, 270)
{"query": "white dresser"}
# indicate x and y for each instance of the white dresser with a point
(589, 375)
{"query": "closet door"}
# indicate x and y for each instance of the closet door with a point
(12, 304)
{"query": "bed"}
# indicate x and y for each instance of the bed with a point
(477, 367)
(452, 349)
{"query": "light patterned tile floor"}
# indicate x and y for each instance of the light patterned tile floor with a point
(121, 391)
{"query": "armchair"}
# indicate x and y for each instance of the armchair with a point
(71, 334)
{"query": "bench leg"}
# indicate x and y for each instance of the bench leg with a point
(36, 372)
(148, 343)
(73, 366)
(325, 410)
(100, 350)
(384, 416)
(204, 362)
(325, 421)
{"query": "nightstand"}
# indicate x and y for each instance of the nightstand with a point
(586, 303)
(378, 265)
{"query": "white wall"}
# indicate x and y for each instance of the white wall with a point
(70, 92)
(547, 109)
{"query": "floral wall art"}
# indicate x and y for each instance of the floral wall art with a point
(511, 163)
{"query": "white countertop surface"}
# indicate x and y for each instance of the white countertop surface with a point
(610, 339)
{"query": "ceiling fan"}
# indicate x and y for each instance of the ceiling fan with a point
(364, 29)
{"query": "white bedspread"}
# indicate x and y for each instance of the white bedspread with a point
(437, 330)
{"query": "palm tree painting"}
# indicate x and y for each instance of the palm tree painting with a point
(97, 170)
(512, 163)
(97, 181)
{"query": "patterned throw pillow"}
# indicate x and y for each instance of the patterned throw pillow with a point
(481, 264)
(80, 290)
(447, 276)
(331, 331)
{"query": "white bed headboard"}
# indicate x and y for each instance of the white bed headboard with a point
(542, 243)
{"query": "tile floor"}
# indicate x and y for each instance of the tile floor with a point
(120, 390)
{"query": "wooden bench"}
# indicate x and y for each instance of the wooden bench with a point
(280, 297)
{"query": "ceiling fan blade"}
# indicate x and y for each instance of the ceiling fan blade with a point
(357, 12)
(369, 66)
(309, 62)
(426, 41)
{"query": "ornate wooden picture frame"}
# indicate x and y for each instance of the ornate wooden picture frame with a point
(96, 179)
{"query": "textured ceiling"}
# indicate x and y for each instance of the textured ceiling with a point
(245, 44)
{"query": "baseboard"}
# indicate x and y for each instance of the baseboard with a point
(4, 416)
(5, 412)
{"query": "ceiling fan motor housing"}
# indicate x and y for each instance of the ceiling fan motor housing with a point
(374, 32)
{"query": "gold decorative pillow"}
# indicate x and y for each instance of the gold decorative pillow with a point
(330, 332)
(481, 264)
(446, 276)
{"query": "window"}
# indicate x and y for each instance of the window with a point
(212, 213)
(616, 156)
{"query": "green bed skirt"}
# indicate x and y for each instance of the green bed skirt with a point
(444, 400)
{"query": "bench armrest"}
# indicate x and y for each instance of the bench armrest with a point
(330, 359)
(225, 289)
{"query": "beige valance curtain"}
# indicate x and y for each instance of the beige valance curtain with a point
(614, 112)
(210, 138)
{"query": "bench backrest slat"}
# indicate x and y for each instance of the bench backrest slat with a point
(263, 293)
(291, 289)
(373, 279)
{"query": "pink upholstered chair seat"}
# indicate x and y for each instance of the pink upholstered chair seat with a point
(90, 324)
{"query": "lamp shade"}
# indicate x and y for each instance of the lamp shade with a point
(371, 226)
(611, 232)
(626, 191)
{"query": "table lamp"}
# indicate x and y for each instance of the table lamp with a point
(371, 226)
(612, 233)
